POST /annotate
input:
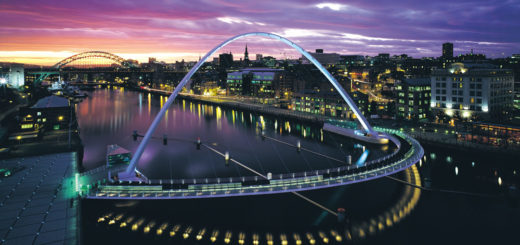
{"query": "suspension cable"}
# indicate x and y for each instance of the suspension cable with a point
(265, 177)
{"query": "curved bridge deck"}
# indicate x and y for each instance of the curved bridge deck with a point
(408, 154)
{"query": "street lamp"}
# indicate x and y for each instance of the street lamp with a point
(3, 82)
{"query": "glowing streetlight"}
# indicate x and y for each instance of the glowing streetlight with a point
(3, 82)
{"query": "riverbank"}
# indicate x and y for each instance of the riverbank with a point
(231, 103)
(428, 138)
(37, 143)
(51, 142)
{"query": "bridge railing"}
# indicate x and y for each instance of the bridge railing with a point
(319, 180)
(249, 180)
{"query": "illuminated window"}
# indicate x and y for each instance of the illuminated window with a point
(27, 126)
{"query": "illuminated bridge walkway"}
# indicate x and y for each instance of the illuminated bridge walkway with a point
(176, 232)
(409, 153)
(129, 186)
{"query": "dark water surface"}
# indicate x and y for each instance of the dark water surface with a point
(481, 211)
(110, 116)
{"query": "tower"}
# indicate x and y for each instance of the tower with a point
(246, 56)
(447, 50)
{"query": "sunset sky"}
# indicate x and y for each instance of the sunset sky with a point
(44, 32)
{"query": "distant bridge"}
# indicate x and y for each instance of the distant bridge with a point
(89, 59)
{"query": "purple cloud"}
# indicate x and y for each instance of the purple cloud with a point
(193, 27)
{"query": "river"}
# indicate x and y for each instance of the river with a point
(469, 201)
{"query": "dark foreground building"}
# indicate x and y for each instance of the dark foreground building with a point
(49, 113)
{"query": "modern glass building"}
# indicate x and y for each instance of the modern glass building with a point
(413, 98)
(472, 91)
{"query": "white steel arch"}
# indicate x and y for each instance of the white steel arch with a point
(140, 149)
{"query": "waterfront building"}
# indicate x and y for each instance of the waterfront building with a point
(328, 103)
(489, 133)
(238, 83)
(50, 113)
(16, 78)
(413, 98)
(466, 91)
(257, 82)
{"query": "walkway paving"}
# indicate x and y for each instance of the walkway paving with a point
(38, 204)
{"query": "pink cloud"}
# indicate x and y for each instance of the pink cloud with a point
(196, 26)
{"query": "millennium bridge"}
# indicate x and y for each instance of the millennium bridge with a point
(129, 183)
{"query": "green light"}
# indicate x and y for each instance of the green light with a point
(77, 182)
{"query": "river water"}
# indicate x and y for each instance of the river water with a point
(470, 201)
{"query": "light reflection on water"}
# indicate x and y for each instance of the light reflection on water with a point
(494, 219)
(187, 120)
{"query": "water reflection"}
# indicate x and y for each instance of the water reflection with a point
(109, 116)
(358, 230)
(472, 172)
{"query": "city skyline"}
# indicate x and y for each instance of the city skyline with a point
(270, 122)
(43, 33)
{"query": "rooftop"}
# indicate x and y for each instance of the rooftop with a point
(417, 81)
(116, 150)
(51, 102)
(261, 69)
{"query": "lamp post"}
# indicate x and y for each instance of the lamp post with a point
(3, 83)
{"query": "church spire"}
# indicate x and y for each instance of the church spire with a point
(246, 55)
